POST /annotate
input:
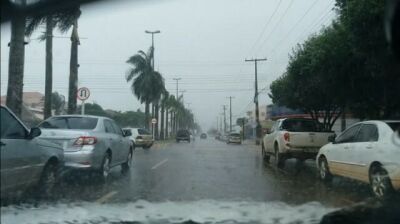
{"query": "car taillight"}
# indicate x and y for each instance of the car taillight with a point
(139, 137)
(286, 137)
(85, 140)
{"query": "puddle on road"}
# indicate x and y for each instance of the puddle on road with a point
(204, 211)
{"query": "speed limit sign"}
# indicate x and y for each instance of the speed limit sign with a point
(83, 93)
(154, 121)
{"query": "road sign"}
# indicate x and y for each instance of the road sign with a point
(154, 121)
(83, 93)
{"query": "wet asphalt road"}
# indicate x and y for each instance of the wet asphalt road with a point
(211, 169)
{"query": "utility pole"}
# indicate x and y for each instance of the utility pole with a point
(177, 83)
(183, 91)
(258, 127)
(230, 113)
(217, 124)
(152, 44)
(224, 108)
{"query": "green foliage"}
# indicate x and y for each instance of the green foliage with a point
(346, 65)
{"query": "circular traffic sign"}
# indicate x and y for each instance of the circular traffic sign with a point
(83, 93)
(154, 121)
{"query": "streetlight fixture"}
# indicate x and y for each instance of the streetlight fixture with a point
(152, 42)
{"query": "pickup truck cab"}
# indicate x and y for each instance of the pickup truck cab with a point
(299, 138)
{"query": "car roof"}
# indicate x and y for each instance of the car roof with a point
(83, 116)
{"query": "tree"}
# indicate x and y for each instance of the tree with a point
(73, 68)
(165, 97)
(57, 103)
(146, 84)
(16, 62)
(64, 21)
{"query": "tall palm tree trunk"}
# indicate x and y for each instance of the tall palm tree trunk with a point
(162, 134)
(73, 67)
(49, 67)
(156, 113)
(166, 123)
(16, 64)
(147, 115)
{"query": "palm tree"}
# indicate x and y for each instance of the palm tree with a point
(16, 62)
(64, 20)
(164, 100)
(146, 84)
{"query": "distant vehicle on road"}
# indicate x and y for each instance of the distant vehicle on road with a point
(139, 137)
(90, 142)
(365, 152)
(203, 136)
(234, 138)
(183, 135)
(298, 138)
(26, 160)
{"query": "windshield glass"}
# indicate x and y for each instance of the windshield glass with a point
(83, 123)
(235, 111)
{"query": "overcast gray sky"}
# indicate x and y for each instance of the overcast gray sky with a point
(203, 42)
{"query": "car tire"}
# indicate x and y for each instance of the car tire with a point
(324, 173)
(380, 183)
(126, 166)
(279, 159)
(265, 156)
(105, 168)
(48, 180)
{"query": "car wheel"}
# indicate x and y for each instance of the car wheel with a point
(264, 154)
(48, 180)
(105, 167)
(380, 182)
(279, 160)
(125, 167)
(324, 173)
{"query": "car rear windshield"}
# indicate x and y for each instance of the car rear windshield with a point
(235, 135)
(143, 132)
(85, 123)
(394, 125)
(183, 132)
(296, 125)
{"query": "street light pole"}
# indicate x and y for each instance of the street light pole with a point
(177, 83)
(230, 113)
(152, 44)
(224, 108)
(258, 127)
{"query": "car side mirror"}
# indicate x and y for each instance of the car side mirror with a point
(127, 133)
(35, 132)
(332, 138)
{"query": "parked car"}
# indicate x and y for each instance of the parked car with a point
(90, 142)
(234, 138)
(139, 137)
(298, 138)
(26, 161)
(203, 136)
(183, 135)
(365, 152)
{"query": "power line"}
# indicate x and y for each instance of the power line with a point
(266, 26)
(296, 24)
(277, 24)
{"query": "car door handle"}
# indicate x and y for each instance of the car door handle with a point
(368, 147)
(346, 147)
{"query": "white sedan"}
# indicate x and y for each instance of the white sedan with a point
(367, 152)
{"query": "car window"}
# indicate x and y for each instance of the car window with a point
(117, 129)
(296, 125)
(10, 127)
(127, 131)
(81, 123)
(109, 127)
(367, 133)
(348, 135)
(143, 132)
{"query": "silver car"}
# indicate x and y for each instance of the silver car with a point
(139, 137)
(26, 161)
(89, 142)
